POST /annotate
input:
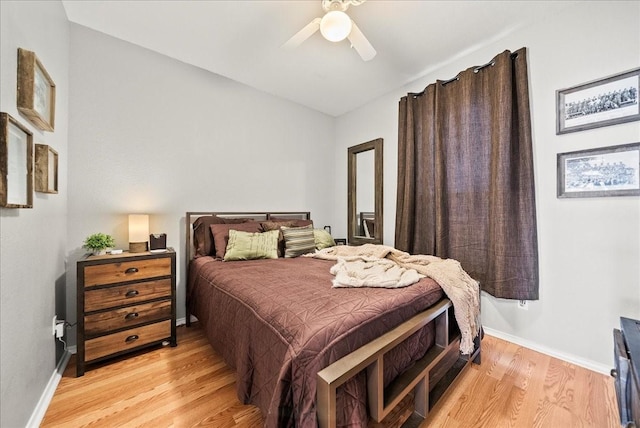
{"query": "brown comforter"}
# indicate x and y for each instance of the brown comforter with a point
(278, 322)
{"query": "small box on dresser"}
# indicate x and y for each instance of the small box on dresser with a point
(125, 302)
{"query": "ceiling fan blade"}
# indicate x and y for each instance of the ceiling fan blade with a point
(361, 44)
(303, 34)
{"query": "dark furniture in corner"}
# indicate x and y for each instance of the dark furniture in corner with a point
(125, 302)
(627, 371)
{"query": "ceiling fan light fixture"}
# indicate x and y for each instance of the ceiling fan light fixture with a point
(335, 26)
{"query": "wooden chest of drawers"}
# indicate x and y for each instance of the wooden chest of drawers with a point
(126, 302)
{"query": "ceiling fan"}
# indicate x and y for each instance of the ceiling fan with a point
(336, 26)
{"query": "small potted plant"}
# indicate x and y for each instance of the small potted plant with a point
(98, 243)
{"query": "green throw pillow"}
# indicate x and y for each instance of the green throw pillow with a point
(252, 245)
(323, 239)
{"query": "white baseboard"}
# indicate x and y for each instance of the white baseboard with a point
(45, 399)
(570, 358)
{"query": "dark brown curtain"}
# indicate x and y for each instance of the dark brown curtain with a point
(465, 176)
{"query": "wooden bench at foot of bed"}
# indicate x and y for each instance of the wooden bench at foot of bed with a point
(427, 379)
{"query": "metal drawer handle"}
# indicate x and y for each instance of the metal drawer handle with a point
(131, 338)
(131, 316)
(131, 293)
(131, 270)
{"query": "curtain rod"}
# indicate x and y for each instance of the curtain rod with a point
(491, 63)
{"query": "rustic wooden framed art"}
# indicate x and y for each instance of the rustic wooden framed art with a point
(36, 91)
(16, 164)
(46, 169)
(601, 102)
(606, 171)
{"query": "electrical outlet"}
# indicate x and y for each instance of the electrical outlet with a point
(60, 329)
(53, 325)
(523, 304)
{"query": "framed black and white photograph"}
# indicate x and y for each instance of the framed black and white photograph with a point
(606, 171)
(602, 102)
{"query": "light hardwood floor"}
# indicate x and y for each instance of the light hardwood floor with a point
(190, 385)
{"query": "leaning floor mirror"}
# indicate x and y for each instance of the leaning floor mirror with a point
(365, 193)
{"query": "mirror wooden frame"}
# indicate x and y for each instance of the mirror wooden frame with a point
(352, 215)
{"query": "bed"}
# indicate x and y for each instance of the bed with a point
(308, 354)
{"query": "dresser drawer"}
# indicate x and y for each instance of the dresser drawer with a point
(111, 273)
(104, 298)
(126, 340)
(130, 316)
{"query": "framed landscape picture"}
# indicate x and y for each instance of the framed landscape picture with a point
(607, 171)
(602, 102)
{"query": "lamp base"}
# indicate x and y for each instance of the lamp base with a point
(137, 247)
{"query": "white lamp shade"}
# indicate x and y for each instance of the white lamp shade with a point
(335, 26)
(138, 227)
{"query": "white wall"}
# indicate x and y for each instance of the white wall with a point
(589, 248)
(149, 134)
(32, 241)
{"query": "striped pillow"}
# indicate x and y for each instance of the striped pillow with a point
(298, 240)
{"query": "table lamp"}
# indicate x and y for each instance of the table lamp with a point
(138, 232)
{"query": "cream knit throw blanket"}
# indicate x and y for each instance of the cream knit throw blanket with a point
(361, 266)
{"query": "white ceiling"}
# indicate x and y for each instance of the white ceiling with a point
(242, 40)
